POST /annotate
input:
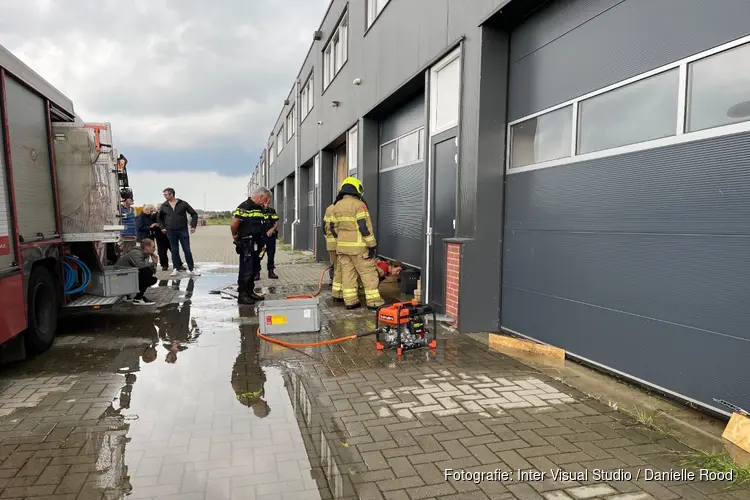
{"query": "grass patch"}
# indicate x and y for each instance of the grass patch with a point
(218, 222)
(648, 418)
(718, 462)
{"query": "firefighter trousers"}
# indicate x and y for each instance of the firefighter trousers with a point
(358, 267)
(336, 287)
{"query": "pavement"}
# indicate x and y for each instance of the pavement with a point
(182, 401)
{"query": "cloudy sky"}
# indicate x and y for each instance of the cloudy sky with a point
(191, 87)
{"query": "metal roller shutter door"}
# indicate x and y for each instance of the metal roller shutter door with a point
(32, 172)
(631, 261)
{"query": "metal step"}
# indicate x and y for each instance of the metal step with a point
(93, 302)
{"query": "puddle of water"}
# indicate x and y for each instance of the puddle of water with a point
(206, 414)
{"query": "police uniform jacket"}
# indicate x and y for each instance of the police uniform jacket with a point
(271, 218)
(252, 219)
(352, 226)
(327, 220)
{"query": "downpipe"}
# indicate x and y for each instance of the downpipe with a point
(295, 223)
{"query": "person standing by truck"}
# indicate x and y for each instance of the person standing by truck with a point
(128, 235)
(162, 242)
(173, 221)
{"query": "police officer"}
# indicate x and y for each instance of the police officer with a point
(248, 231)
(355, 245)
(331, 247)
(271, 233)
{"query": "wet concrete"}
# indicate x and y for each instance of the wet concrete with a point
(182, 400)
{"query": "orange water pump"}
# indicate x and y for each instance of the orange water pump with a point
(401, 326)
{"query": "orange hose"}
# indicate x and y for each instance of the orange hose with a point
(309, 344)
(313, 295)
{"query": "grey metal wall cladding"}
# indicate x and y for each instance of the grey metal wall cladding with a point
(638, 262)
(280, 208)
(289, 209)
(404, 39)
(409, 117)
(32, 173)
(605, 48)
(401, 214)
(695, 364)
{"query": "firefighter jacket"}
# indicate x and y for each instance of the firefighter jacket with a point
(327, 220)
(352, 226)
(252, 219)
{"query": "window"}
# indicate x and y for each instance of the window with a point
(699, 97)
(404, 150)
(638, 112)
(306, 98)
(408, 148)
(310, 198)
(719, 90)
(543, 138)
(291, 125)
(352, 149)
(271, 154)
(280, 141)
(336, 52)
(445, 95)
(374, 8)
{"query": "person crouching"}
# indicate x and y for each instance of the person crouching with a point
(144, 259)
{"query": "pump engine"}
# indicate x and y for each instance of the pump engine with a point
(402, 326)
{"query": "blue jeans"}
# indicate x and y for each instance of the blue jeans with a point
(178, 238)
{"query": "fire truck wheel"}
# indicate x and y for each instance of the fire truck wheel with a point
(42, 307)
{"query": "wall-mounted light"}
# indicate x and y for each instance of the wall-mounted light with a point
(317, 35)
(286, 102)
(335, 104)
(357, 81)
(320, 122)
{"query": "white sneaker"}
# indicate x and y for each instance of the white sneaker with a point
(194, 272)
(175, 272)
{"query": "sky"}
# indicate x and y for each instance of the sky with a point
(192, 88)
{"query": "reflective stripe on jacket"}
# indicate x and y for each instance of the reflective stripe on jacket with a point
(352, 226)
(330, 238)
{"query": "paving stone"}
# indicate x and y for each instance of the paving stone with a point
(371, 426)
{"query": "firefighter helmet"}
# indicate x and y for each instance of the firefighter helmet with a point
(355, 183)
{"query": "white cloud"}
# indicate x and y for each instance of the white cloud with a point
(168, 73)
(221, 192)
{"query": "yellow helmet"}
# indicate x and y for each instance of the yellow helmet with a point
(355, 183)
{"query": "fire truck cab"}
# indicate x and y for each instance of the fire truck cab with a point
(60, 187)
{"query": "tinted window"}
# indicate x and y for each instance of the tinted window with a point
(719, 90)
(639, 112)
(408, 148)
(542, 138)
(388, 155)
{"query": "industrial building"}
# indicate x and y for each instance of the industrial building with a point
(573, 171)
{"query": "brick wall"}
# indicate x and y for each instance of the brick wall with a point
(452, 272)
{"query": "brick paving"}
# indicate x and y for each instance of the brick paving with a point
(183, 401)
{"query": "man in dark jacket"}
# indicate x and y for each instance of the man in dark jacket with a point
(173, 221)
(162, 242)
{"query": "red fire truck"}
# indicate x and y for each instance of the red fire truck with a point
(61, 184)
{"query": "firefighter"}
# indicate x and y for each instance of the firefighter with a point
(331, 247)
(355, 245)
(249, 237)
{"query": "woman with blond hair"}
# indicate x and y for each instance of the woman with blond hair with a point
(144, 226)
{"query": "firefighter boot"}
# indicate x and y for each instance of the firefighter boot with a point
(272, 275)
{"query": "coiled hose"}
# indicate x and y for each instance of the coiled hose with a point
(72, 266)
